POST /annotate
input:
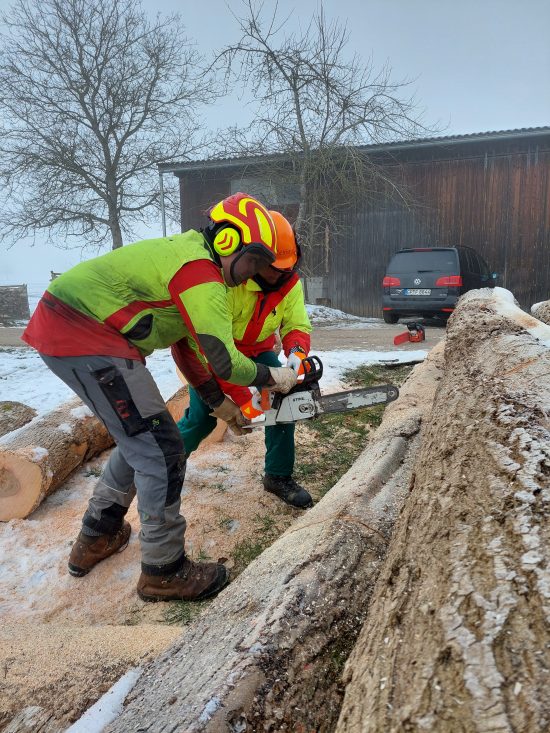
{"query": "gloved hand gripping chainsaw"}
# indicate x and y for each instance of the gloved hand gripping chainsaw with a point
(305, 400)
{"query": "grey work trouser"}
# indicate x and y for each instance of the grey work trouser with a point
(149, 458)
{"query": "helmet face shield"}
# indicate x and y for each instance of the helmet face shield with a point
(249, 262)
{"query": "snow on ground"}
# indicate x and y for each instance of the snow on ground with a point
(322, 315)
(25, 378)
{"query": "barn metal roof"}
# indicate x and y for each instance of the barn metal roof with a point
(398, 145)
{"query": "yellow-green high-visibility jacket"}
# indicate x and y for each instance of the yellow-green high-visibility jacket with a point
(256, 317)
(145, 296)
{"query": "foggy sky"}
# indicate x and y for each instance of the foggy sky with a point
(476, 65)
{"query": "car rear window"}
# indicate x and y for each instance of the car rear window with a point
(439, 260)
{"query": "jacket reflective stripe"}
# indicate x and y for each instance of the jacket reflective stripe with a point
(264, 305)
(122, 317)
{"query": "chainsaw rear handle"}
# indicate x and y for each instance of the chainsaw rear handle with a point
(313, 367)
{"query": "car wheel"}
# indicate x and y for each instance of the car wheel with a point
(390, 317)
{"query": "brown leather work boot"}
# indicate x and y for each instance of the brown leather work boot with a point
(194, 582)
(88, 551)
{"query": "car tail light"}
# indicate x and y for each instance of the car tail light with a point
(449, 281)
(391, 282)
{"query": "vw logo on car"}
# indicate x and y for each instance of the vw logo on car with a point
(417, 281)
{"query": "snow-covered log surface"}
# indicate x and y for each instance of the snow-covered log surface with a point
(268, 653)
(36, 459)
(457, 634)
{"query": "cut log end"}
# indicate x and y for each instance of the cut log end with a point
(22, 484)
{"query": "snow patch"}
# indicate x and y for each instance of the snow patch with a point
(108, 707)
(39, 453)
(209, 709)
(81, 412)
(322, 315)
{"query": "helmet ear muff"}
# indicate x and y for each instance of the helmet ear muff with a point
(226, 241)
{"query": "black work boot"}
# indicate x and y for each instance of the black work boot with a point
(288, 490)
(87, 551)
(195, 581)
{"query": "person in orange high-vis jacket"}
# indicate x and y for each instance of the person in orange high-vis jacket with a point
(261, 306)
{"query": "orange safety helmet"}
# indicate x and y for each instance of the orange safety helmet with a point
(287, 247)
(242, 222)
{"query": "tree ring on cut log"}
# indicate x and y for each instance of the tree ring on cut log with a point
(21, 484)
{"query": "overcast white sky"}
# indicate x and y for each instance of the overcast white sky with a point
(478, 65)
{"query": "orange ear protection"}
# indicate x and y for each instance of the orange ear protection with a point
(226, 241)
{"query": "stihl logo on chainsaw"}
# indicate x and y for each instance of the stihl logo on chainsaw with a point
(415, 333)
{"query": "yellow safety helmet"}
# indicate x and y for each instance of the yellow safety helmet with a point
(241, 222)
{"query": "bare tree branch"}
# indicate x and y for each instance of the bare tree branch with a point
(316, 105)
(94, 95)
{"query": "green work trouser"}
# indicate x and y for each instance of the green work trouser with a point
(197, 423)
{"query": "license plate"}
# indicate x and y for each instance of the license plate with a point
(417, 291)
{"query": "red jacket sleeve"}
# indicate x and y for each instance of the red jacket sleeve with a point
(296, 338)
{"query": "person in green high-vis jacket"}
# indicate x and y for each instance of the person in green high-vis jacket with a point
(95, 325)
(269, 302)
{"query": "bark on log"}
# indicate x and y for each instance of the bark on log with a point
(38, 458)
(267, 654)
(33, 719)
(457, 634)
(13, 415)
(542, 311)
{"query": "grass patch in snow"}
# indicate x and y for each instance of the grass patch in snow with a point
(181, 613)
(374, 374)
(249, 548)
(333, 442)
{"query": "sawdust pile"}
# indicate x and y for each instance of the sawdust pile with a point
(77, 636)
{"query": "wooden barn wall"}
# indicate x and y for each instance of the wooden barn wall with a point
(493, 197)
(198, 193)
(498, 204)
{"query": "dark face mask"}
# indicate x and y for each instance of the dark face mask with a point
(268, 287)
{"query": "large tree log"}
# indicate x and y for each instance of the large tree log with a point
(268, 653)
(38, 458)
(457, 634)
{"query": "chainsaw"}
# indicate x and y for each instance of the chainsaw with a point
(415, 334)
(305, 400)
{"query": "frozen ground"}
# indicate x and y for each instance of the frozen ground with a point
(25, 378)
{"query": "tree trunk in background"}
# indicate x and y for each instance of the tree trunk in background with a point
(116, 233)
(457, 636)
